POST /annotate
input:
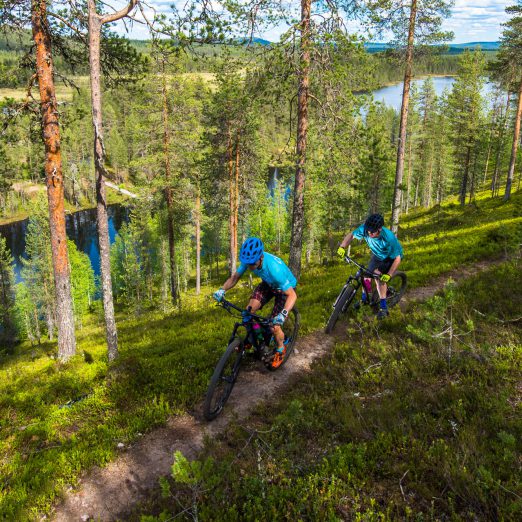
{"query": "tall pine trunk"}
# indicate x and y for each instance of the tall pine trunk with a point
(296, 241)
(500, 146)
(232, 203)
(399, 169)
(95, 25)
(464, 184)
(198, 241)
(169, 198)
(54, 181)
(514, 147)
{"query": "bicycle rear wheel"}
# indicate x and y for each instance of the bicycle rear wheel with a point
(291, 330)
(341, 304)
(396, 288)
(223, 379)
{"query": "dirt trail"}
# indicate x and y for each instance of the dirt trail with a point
(110, 493)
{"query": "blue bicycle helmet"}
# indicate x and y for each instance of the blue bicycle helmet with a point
(373, 223)
(251, 250)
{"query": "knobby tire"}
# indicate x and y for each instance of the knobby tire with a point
(343, 301)
(396, 289)
(223, 379)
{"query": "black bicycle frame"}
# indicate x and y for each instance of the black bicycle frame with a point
(250, 334)
(355, 280)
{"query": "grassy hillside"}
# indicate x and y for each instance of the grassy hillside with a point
(59, 419)
(415, 418)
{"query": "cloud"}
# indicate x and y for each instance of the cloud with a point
(470, 20)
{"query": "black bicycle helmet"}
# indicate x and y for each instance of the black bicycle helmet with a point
(373, 223)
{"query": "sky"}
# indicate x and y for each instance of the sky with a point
(471, 20)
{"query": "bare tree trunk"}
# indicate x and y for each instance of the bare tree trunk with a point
(399, 170)
(169, 198)
(408, 181)
(464, 185)
(54, 181)
(236, 199)
(495, 180)
(429, 183)
(95, 24)
(198, 241)
(296, 240)
(232, 205)
(488, 155)
(516, 134)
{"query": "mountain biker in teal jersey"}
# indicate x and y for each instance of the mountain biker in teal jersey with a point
(277, 281)
(386, 256)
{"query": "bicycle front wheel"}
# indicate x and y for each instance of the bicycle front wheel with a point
(396, 289)
(341, 304)
(223, 379)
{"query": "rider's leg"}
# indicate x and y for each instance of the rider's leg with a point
(254, 304)
(367, 289)
(279, 336)
(279, 304)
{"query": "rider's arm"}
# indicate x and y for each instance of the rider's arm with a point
(347, 240)
(395, 264)
(291, 298)
(231, 281)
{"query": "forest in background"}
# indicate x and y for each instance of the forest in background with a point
(351, 166)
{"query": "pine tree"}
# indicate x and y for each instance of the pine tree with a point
(466, 104)
(508, 69)
(7, 302)
(417, 22)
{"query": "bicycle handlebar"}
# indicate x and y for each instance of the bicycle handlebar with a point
(349, 260)
(227, 305)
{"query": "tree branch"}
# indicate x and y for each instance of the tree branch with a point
(119, 14)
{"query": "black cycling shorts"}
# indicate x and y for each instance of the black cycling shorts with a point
(383, 265)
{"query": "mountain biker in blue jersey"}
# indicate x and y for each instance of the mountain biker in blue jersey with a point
(386, 256)
(277, 281)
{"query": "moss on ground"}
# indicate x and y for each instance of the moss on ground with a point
(60, 419)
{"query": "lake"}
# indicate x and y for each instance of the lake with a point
(391, 95)
(81, 228)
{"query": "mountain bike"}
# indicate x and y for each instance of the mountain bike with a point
(250, 339)
(396, 288)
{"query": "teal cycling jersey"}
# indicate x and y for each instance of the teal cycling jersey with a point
(274, 272)
(386, 245)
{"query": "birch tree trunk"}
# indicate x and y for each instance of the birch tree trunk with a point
(514, 147)
(54, 181)
(296, 240)
(399, 169)
(95, 24)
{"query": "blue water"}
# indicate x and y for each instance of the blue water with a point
(80, 227)
(391, 95)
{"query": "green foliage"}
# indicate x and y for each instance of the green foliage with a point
(58, 420)
(83, 287)
(387, 427)
(7, 301)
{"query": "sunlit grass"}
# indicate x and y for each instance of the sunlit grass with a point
(63, 92)
(59, 419)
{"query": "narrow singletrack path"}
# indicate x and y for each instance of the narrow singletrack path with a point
(110, 493)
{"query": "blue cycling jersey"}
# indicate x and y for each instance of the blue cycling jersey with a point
(386, 245)
(274, 272)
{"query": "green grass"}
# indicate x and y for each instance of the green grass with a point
(401, 422)
(60, 419)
